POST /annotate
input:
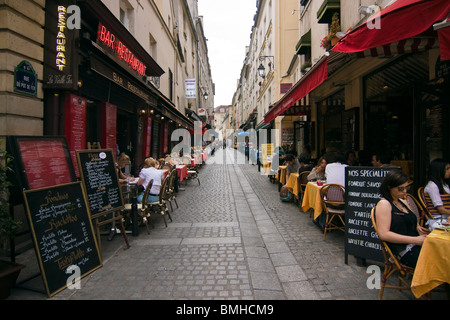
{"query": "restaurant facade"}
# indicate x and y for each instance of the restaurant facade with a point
(374, 93)
(100, 85)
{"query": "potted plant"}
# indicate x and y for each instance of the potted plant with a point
(335, 27)
(306, 66)
(9, 271)
(325, 43)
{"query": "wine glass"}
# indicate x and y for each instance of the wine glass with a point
(445, 223)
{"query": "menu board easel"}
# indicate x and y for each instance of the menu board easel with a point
(101, 182)
(63, 235)
(361, 195)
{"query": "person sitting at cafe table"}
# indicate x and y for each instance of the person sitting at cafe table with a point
(438, 185)
(397, 224)
(147, 173)
(305, 164)
(292, 165)
(318, 172)
(335, 169)
(122, 162)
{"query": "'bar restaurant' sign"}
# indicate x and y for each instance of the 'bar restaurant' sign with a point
(108, 39)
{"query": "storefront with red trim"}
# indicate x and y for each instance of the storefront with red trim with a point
(98, 86)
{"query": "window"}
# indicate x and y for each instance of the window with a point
(127, 15)
(153, 47)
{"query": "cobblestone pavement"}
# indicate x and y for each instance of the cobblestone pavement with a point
(230, 238)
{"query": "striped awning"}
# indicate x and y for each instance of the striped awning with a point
(292, 99)
(403, 20)
(410, 45)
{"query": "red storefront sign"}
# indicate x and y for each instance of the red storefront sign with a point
(109, 126)
(75, 126)
(147, 136)
(108, 39)
(45, 162)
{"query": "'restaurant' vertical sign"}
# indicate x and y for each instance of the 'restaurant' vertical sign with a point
(60, 45)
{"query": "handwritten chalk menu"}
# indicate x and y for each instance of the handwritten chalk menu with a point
(43, 161)
(100, 179)
(62, 232)
(361, 195)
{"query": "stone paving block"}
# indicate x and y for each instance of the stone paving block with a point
(265, 281)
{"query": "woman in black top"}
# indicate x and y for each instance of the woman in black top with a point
(397, 224)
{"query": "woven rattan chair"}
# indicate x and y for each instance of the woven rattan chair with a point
(430, 210)
(333, 201)
(417, 208)
(160, 206)
(302, 181)
(392, 265)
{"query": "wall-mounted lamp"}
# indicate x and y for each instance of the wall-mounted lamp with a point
(368, 10)
(261, 69)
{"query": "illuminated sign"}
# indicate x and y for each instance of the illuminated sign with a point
(61, 39)
(108, 39)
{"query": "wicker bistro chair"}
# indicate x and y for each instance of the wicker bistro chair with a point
(417, 208)
(333, 201)
(160, 206)
(192, 169)
(142, 207)
(302, 181)
(169, 195)
(426, 202)
(392, 265)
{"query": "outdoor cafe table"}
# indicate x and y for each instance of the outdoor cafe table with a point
(281, 175)
(433, 266)
(292, 184)
(182, 171)
(311, 199)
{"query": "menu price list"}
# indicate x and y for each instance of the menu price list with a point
(45, 163)
(362, 194)
(100, 179)
(63, 233)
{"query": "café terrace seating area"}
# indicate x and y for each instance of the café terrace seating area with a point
(326, 206)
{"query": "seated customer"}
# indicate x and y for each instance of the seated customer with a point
(335, 170)
(147, 173)
(318, 172)
(292, 165)
(438, 186)
(397, 224)
(305, 165)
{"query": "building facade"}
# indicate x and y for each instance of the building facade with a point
(111, 74)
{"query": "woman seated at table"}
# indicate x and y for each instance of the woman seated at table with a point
(397, 224)
(122, 162)
(438, 186)
(147, 173)
(318, 172)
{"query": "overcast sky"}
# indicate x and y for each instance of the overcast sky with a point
(227, 26)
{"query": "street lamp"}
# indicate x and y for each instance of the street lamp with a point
(205, 96)
(261, 69)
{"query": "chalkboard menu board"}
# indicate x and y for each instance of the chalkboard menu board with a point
(362, 194)
(62, 232)
(99, 175)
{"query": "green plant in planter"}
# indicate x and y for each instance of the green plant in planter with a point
(305, 66)
(8, 226)
(335, 27)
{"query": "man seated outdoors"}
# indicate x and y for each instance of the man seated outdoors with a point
(147, 173)
(292, 165)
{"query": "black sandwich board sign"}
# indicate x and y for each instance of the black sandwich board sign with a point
(361, 195)
(63, 235)
(99, 175)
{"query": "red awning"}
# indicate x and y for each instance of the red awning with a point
(401, 20)
(305, 85)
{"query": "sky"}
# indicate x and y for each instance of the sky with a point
(227, 26)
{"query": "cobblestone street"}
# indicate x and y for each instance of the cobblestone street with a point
(230, 238)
